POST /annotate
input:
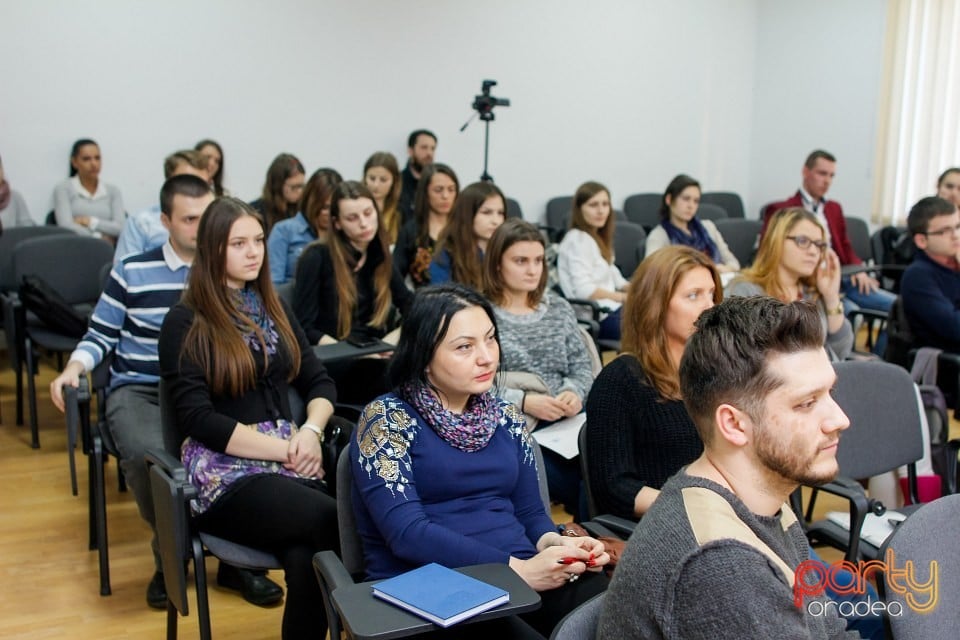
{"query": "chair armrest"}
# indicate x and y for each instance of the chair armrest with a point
(331, 574)
(610, 525)
(592, 305)
(167, 462)
(859, 506)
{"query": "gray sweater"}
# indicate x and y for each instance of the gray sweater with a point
(16, 214)
(548, 343)
(839, 344)
(105, 208)
(670, 585)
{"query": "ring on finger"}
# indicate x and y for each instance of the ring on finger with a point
(573, 577)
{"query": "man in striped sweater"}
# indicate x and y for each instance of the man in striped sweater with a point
(126, 323)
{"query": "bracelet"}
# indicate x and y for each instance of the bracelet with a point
(837, 311)
(312, 427)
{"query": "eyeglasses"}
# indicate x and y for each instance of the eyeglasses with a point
(803, 242)
(942, 232)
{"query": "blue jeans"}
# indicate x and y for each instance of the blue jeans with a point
(610, 326)
(878, 300)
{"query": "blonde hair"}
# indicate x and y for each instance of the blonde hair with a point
(765, 270)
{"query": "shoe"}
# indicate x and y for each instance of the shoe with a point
(255, 587)
(157, 592)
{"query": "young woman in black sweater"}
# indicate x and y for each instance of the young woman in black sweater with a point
(347, 288)
(229, 351)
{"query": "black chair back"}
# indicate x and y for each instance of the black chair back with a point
(513, 209)
(9, 239)
(643, 209)
(69, 263)
(711, 212)
(731, 202)
(859, 234)
(741, 236)
(629, 245)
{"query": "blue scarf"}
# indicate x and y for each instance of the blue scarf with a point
(698, 238)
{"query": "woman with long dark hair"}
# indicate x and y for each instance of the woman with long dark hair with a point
(444, 471)
(347, 289)
(381, 174)
(229, 351)
(680, 225)
(281, 190)
(83, 202)
(212, 150)
(436, 194)
(290, 237)
(479, 210)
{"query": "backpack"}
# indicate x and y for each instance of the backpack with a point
(53, 310)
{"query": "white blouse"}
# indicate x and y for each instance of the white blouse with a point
(583, 270)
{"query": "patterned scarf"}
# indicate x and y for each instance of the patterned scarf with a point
(697, 238)
(248, 302)
(468, 431)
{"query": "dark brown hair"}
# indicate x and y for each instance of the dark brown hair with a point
(275, 206)
(215, 341)
(603, 236)
(512, 231)
(725, 360)
(458, 239)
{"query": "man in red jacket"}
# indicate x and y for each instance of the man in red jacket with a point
(818, 172)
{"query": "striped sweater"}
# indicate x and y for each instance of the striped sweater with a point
(127, 318)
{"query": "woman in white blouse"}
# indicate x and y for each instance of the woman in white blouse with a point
(83, 202)
(585, 256)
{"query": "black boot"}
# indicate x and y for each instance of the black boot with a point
(157, 592)
(255, 587)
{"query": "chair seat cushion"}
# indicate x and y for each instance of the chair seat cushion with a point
(239, 555)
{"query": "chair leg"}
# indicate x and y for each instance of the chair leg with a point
(71, 451)
(20, 394)
(171, 621)
(32, 395)
(98, 489)
(200, 579)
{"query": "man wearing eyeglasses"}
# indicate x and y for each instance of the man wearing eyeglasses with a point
(818, 171)
(931, 284)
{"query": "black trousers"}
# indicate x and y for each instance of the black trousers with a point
(291, 519)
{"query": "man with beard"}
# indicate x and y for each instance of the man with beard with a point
(715, 555)
(421, 145)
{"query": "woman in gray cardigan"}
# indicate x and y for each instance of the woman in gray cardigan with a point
(83, 202)
(795, 262)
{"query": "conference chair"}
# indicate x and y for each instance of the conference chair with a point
(643, 209)
(179, 538)
(621, 527)
(741, 236)
(885, 433)
(71, 265)
(12, 318)
(513, 209)
(924, 543)
(629, 245)
(711, 212)
(558, 216)
(730, 201)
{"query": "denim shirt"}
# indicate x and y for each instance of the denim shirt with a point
(288, 238)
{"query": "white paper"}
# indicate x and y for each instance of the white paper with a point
(876, 529)
(561, 436)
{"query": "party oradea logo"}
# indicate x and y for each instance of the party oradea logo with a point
(813, 578)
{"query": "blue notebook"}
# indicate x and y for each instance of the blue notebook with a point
(441, 595)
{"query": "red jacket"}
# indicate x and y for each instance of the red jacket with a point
(836, 223)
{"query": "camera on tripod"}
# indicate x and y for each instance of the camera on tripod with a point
(484, 103)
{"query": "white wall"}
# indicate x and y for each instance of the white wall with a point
(627, 92)
(817, 85)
